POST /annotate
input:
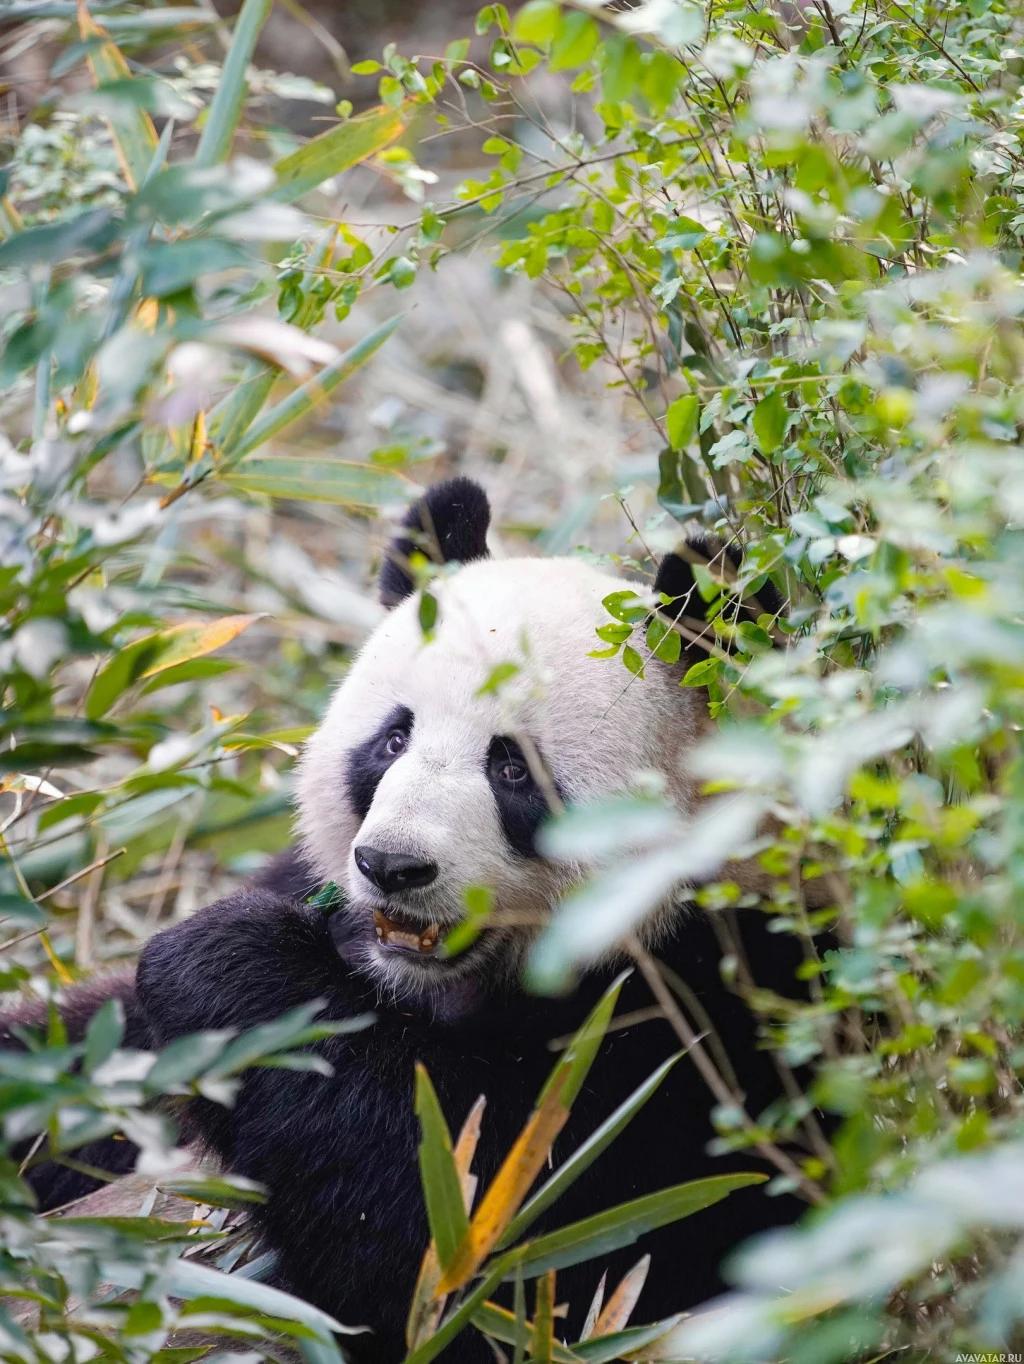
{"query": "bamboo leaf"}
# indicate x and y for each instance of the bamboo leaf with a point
(455, 1321)
(619, 1308)
(184, 642)
(579, 1056)
(427, 1304)
(518, 1171)
(622, 1225)
(542, 1343)
(631, 1343)
(318, 480)
(501, 1324)
(304, 398)
(442, 1193)
(531, 1148)
(226, 108)
(130, 126)
(336, 150)
(585, 1155)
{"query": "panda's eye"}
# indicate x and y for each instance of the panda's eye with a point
(513, 772)
(395, 743)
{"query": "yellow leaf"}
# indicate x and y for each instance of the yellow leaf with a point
(619, 1307)
(509, 1187)
(183, 642)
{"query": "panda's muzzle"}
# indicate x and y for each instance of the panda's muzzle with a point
(394, 873)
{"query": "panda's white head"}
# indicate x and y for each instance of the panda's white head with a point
(432, 772)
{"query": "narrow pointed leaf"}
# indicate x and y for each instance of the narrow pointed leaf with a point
(621, 1226)
(543, 1342)
(335, 151)
(619, 1308)
(304, 398)
(318, 480)
(226, 108)
(130, 126)
(463, 1314)
(427, 1304)
(579, 1056)
(446, 1211)
(184, 642)
(585, 1155)
(501, 1324)
(531, 1148)
(624, 1344)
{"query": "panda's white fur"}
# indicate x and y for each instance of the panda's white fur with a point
(595, 728)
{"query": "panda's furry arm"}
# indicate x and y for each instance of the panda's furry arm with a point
(245, 960)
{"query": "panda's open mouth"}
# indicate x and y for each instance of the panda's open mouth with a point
(403, 932)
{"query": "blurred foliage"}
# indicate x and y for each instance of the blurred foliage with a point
(790, 230)
(794, 232)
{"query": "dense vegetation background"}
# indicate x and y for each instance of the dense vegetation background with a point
(755, 263)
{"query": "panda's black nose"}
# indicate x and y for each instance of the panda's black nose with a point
(394, 871)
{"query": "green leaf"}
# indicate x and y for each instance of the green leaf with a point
(575, 43)
(681, 420)
(455, 1321)
(168, 267)
(115, 677)
(623, 1344)
(585, 1155)
(769, 422)
(621, 1226)
(229, 100)
(501, 1324)
(625, 606)
(186, 1279)
(684, 234)
(702, 673)
(335, 151)
(633, 661)
(574, 1065)
(537, 22)
(103, 1035)
(663, 642)
(427, 613)
(614, 634)
(497, 677)
(442, 1192)
(318, 480)
(131, 127)
(304, 398)
(53, 242)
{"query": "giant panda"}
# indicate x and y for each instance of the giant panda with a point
(420, 783)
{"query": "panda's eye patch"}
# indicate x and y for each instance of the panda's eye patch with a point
(366, 764)
(520, 802)
(507, 762)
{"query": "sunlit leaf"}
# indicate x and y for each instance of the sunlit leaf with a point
(336, 150)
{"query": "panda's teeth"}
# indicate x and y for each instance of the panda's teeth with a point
(389, 932)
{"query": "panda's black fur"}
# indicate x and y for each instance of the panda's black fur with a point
(339, 1155)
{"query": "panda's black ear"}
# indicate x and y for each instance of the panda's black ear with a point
(448, 524)
(675, 578)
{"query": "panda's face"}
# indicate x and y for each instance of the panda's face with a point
(436, 765)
